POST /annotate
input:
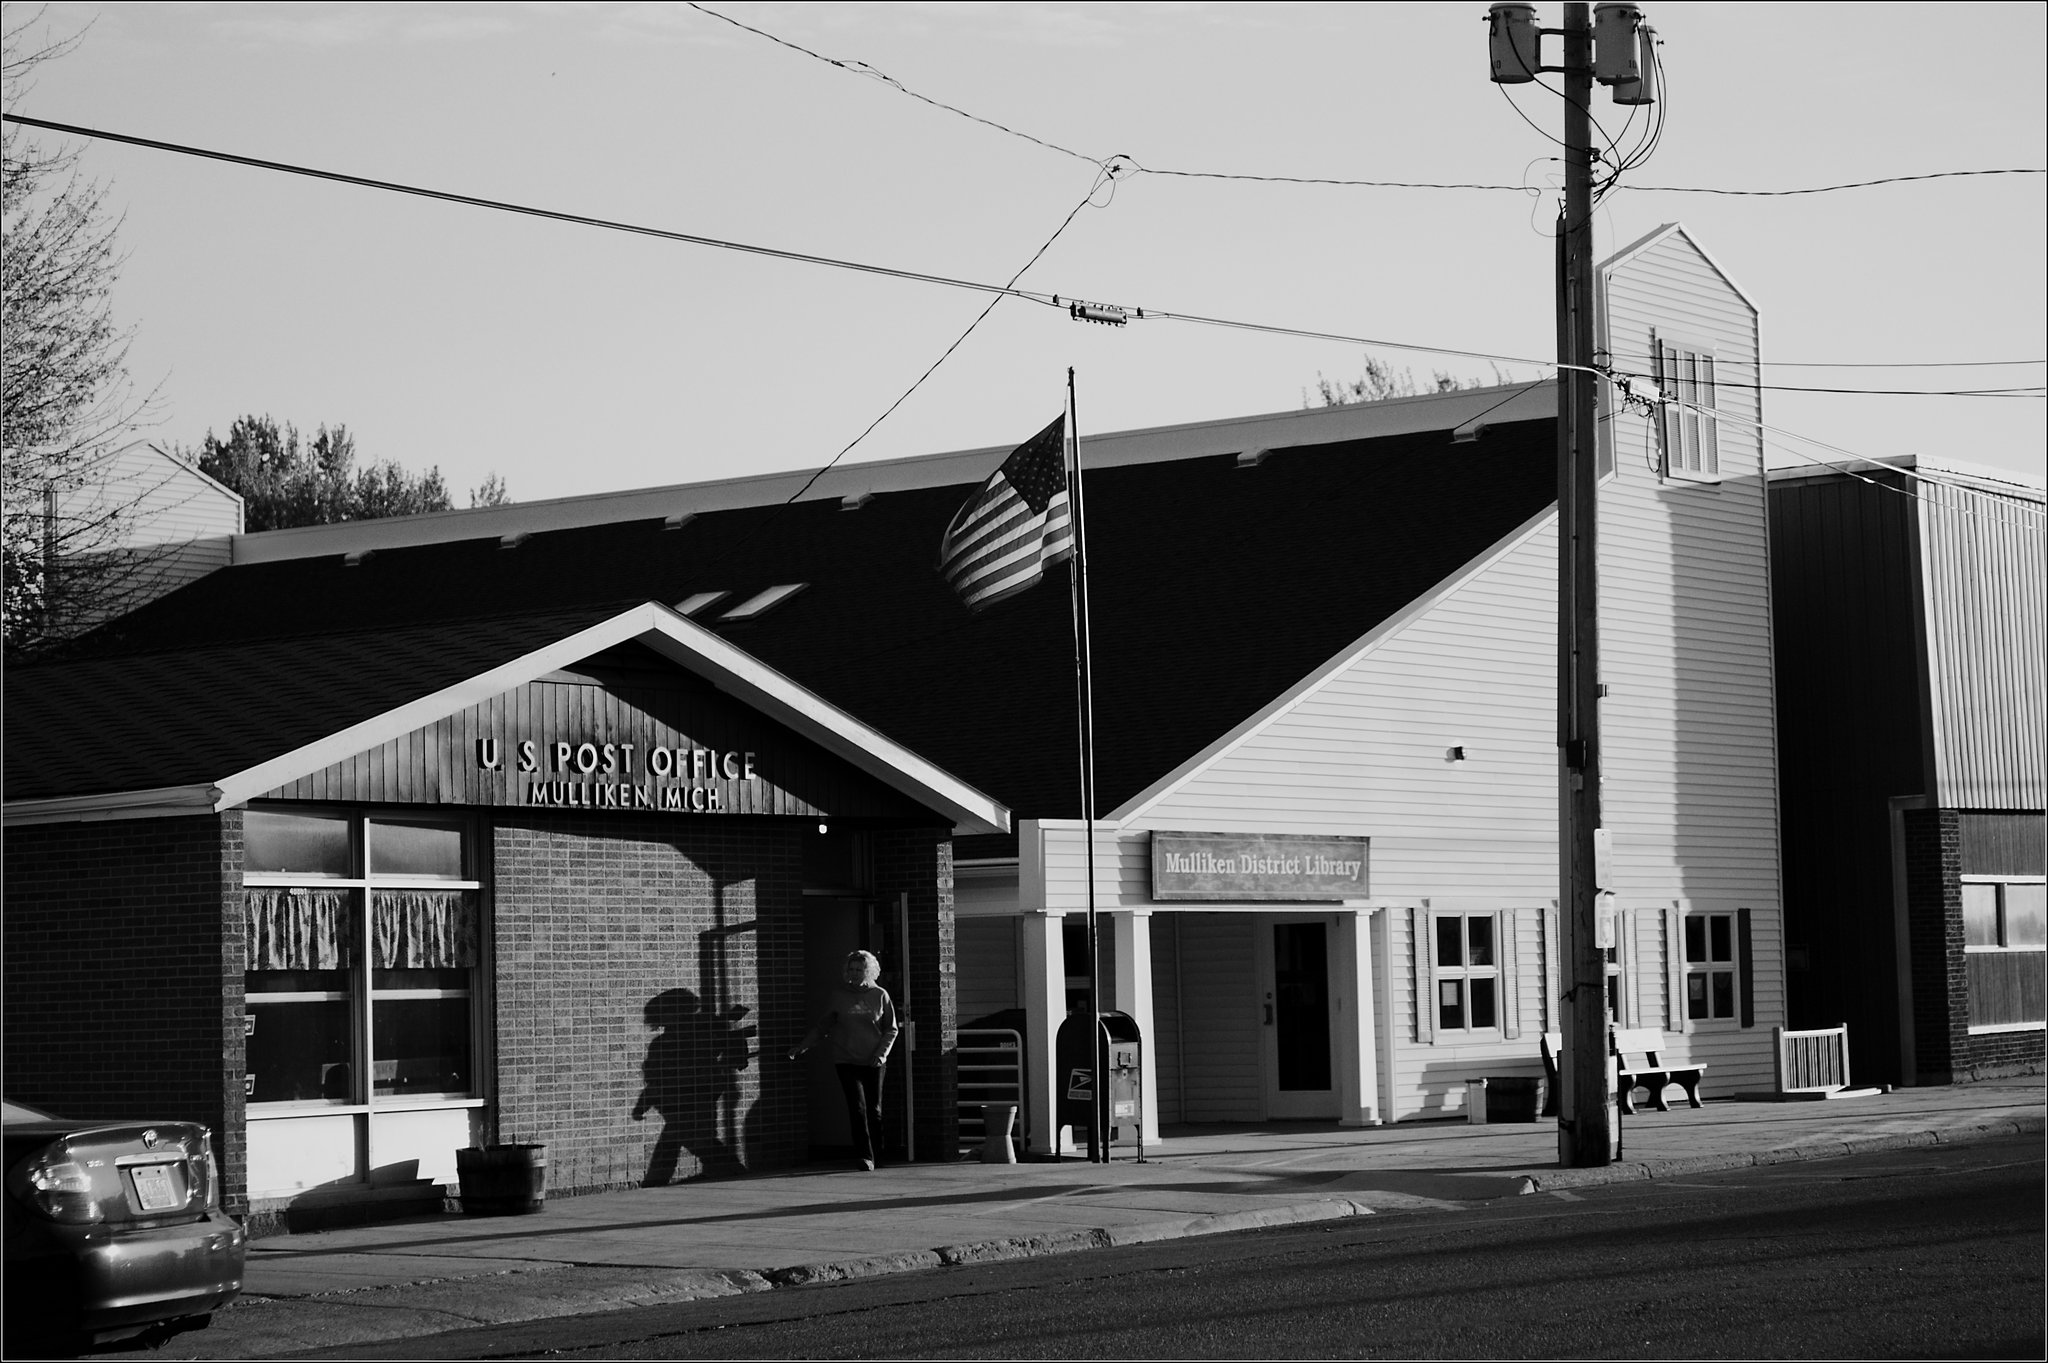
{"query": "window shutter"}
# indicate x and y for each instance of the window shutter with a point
(1745, 968)
(1675, 1019)
(1510, 975)
(1424, 943)
(1550, 980)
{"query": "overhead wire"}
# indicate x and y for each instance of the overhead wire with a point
(2009, 391)
(527, 210)
(862, 68)
(1106, 174)
(2001, 501)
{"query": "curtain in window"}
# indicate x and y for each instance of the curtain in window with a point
(423, 929)
(300, 929)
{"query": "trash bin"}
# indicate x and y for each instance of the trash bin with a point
(1511, 1098)
(997, 1121)
(1120, 1053)
(502, 1180)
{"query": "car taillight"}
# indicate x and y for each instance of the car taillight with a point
(60, 1187)
(206, 1173)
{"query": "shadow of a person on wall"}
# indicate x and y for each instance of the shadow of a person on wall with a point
(692, 1080)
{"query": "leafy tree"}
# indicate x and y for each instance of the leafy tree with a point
(287, 480)
(1380, 382)
(66, 403)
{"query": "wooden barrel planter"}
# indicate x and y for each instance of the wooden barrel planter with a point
(503, 1180)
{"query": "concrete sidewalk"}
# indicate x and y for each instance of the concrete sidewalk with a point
(647, 1246)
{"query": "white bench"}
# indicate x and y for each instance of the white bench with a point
(1636, 1053)
(1636, 1058)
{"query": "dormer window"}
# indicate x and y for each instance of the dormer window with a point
(1686, 423)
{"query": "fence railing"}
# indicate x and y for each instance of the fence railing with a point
(991, 1070)
(1813, 1062)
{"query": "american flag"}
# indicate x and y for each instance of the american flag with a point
(1001, 542)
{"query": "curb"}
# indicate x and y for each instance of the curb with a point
(1055, 1242)
(1645, 1170)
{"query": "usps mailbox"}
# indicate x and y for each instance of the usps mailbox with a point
(1122, 1099)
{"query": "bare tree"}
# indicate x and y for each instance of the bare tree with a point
(1380, 382)
(68, 410)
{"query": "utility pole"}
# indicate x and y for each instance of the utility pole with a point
(1585, 1135)
(1586, 1121)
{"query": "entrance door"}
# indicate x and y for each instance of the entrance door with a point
(1294, 978)
(832, 928)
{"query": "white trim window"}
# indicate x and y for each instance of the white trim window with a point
(1687, 429)
(1465, 974)
(1711, 968)
(2005, 946)
(365, 939)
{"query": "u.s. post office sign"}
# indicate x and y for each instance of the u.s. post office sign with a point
(1265, 867)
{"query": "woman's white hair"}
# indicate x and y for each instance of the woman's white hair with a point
(870, 965)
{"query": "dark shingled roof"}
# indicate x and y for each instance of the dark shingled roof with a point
(1213, 590)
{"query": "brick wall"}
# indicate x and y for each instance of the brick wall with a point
(1947, 1052)
(920, 862)
(641, 967)
(1934, 917)
(124, 958)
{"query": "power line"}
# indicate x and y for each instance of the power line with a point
(861, 68)
(1894, 364)
(1830, 189)
(2000, 501)
(2010, 391)
(1106, 172)
(527, 210)
(864, 69)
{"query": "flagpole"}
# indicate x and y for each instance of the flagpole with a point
(1084, 690)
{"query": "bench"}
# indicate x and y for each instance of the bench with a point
(1635, 1049)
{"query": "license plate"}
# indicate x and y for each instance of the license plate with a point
(155, 1189)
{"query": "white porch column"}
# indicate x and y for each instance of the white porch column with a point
(1045, 1007)
(1358, 1102)
(1133, 936)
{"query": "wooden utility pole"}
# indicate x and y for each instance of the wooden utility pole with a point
(1586, 1110)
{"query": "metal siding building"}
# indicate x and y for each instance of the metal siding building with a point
(1910, 632)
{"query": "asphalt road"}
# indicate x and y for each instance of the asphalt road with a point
(1928, 1252)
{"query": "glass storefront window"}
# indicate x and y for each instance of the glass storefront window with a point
(276, 843)
(364, 943)
(422, 1045)
(299, 1050)
(416, 851)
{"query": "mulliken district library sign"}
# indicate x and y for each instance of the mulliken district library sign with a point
(1280, 867)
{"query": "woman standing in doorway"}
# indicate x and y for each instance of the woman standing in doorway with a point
(861, 1025)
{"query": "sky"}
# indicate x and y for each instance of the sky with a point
(568, 359)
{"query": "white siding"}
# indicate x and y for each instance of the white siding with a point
(1688, 733)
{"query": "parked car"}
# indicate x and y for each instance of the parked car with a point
(113, 1229)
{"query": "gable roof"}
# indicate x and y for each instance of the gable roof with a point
(1214, 589)
(214, 725)
(1649, 239)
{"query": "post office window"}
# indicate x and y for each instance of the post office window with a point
(365, 944)
(306, 845)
